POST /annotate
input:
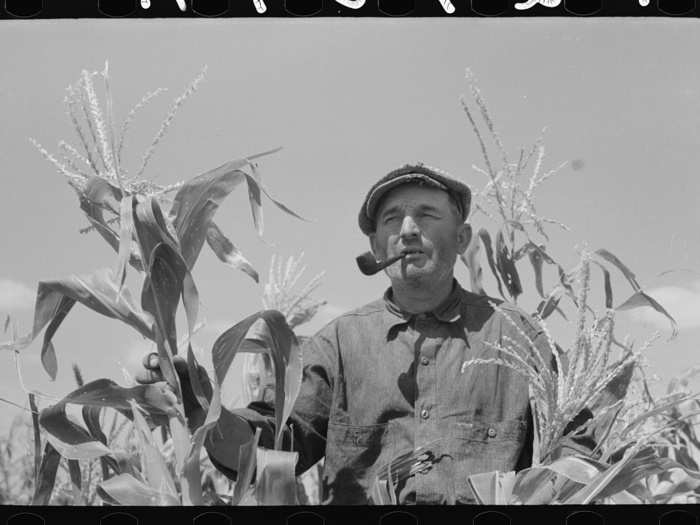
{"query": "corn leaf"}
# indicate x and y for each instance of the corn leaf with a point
(670, 403)
(69, 438)
(125, 489)
(154, 232)
(247, 461)
(76, 479)
(276, 482)
(576, 468)
(99, 292)
(550, 305)
(228, 344)
(483, 486)
(616, 389)
(196, 379)
(674, 488)
(88, 449)
(197, 201)
(227, 252)
(181, 442)
(272, 333)
(124, 463)
(155, 471)
(273, 336)
(255, 181)
(161, 296)
(72, 440)
(151, 226)
(37, 436)
(255, 199)
(625, 498)
(492, 488)
(293, 373)
(534, 486)
(643, 464)
(640, 299)
(54, 300)
(608, 285)
(169, 279)
(48, 352)
(545, 484)
(538, 255)
(506, 267)
(94, 200)
(91, 416)
(47, 476)
(126, 221)
(486, 240)
(379, 493)
(155, 398)
(505, 484)
(611, 258)
(76, 442)
(191, 468)
(48, 306)
(522, 251)
(591, 490)
(565, 282)
(536, 261)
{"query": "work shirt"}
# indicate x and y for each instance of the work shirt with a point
(379, 382)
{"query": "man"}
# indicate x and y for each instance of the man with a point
(386, 379)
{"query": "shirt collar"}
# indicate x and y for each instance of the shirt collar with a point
(448, 311)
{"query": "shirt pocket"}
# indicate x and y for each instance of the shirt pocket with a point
(485, 446)
(352, 453)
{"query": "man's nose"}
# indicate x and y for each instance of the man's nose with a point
(409, 228)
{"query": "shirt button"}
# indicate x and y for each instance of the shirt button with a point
(492, 432)
(424, 361)
(424, 414)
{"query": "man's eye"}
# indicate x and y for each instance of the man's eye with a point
(392, 218)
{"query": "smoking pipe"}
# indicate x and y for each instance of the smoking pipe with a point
(369, 265)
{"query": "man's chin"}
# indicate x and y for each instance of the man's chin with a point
(411, 274)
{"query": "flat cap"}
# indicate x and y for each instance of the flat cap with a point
(412, 173)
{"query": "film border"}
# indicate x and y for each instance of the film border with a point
(178, 9)
(418, 515)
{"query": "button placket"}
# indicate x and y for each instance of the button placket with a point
(426, 409)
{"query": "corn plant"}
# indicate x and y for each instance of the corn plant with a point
(298, 307)
(591, 376)
(626, 458)
(162, 247)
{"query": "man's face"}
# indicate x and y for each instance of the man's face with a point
(421, 219)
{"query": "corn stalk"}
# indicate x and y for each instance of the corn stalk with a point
(162, 248)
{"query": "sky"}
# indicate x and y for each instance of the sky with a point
(349, 100)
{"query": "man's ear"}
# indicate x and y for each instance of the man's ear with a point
(373, 244)
(464, 237)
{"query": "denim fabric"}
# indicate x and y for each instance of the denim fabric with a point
(379, 382)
